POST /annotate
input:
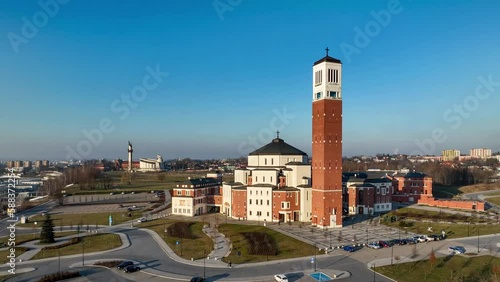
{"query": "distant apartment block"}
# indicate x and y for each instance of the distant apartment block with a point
(481, 153)
(27, 164)
(450, 155)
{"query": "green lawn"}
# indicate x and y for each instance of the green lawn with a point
(22, 238)
(5, 253)
(92, 243)
(453, 230)
(452, 268)
(86, 218)
(287, 247)
(494, 200)
(191, 248)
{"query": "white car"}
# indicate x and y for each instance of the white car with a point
(280, 278)
(142, 219)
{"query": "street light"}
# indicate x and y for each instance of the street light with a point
(164, 230)
(83, 251)
(366, 236)
(315, 262)
(478, 241)
(204, 258)
(59, 260)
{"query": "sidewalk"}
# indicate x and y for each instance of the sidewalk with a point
(34, 248)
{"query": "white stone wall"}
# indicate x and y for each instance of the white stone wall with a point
(259, 199)
(182, 206)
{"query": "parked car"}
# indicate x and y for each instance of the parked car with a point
(434, 237)
(125, 264)
(394, 242)
(383, 244)
(411, 240)
(351, 248)
(374, 245)
(419, 238)
(197, 279)
(142, 219)
(457, 249)
(403, 242)
(280, 278)
(131, 268)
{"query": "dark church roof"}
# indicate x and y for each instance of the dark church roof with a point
(277, 147)
(328, 59)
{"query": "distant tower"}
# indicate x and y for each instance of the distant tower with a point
(130, 150)
(327, 142)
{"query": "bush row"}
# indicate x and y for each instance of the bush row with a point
(180, 230)
(59, 276)
(260, 244)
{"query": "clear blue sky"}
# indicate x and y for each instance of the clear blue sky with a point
(231, 69)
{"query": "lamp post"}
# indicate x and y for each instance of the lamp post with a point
(83, 251)
(330, 239)
(164, 230)
(478, 241)
(366, 236)
(204, 258)
(34, 230)
(315, 261)
(59, 260)
(392, 254)
(373, 272)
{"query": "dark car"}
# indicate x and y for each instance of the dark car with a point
(384, 244)
(125, 264)
(131, 268)
(403, 242)
(395, 242)
(351, 248)
(197, 279)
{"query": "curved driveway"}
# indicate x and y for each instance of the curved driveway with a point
(147, 251)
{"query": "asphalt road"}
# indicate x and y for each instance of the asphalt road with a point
(4, 223)
(144, 249)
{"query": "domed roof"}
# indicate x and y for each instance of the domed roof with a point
(277, 147)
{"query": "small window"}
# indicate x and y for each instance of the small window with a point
(318, 95)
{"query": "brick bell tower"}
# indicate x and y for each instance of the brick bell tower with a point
(327, 143)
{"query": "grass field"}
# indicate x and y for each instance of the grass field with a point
(22, 238)
(451, 191)
(494, 200)
(287, 247)
(92, 243)
(86, 218)
(5, 253)
(191, 248)
(453, 268)
(141, 181)
(453, 230)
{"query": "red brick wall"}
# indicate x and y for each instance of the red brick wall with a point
(465, 205)
(327, 160)
(239, 205)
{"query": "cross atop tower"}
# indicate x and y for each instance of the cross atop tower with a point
(278, 134)
(327, 51)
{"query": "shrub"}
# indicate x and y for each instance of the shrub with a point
(59, 276)
(109, 264)
(72, 242)
(180, 230)
(260, 244)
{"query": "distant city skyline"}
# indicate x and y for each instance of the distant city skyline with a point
(214, 81)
